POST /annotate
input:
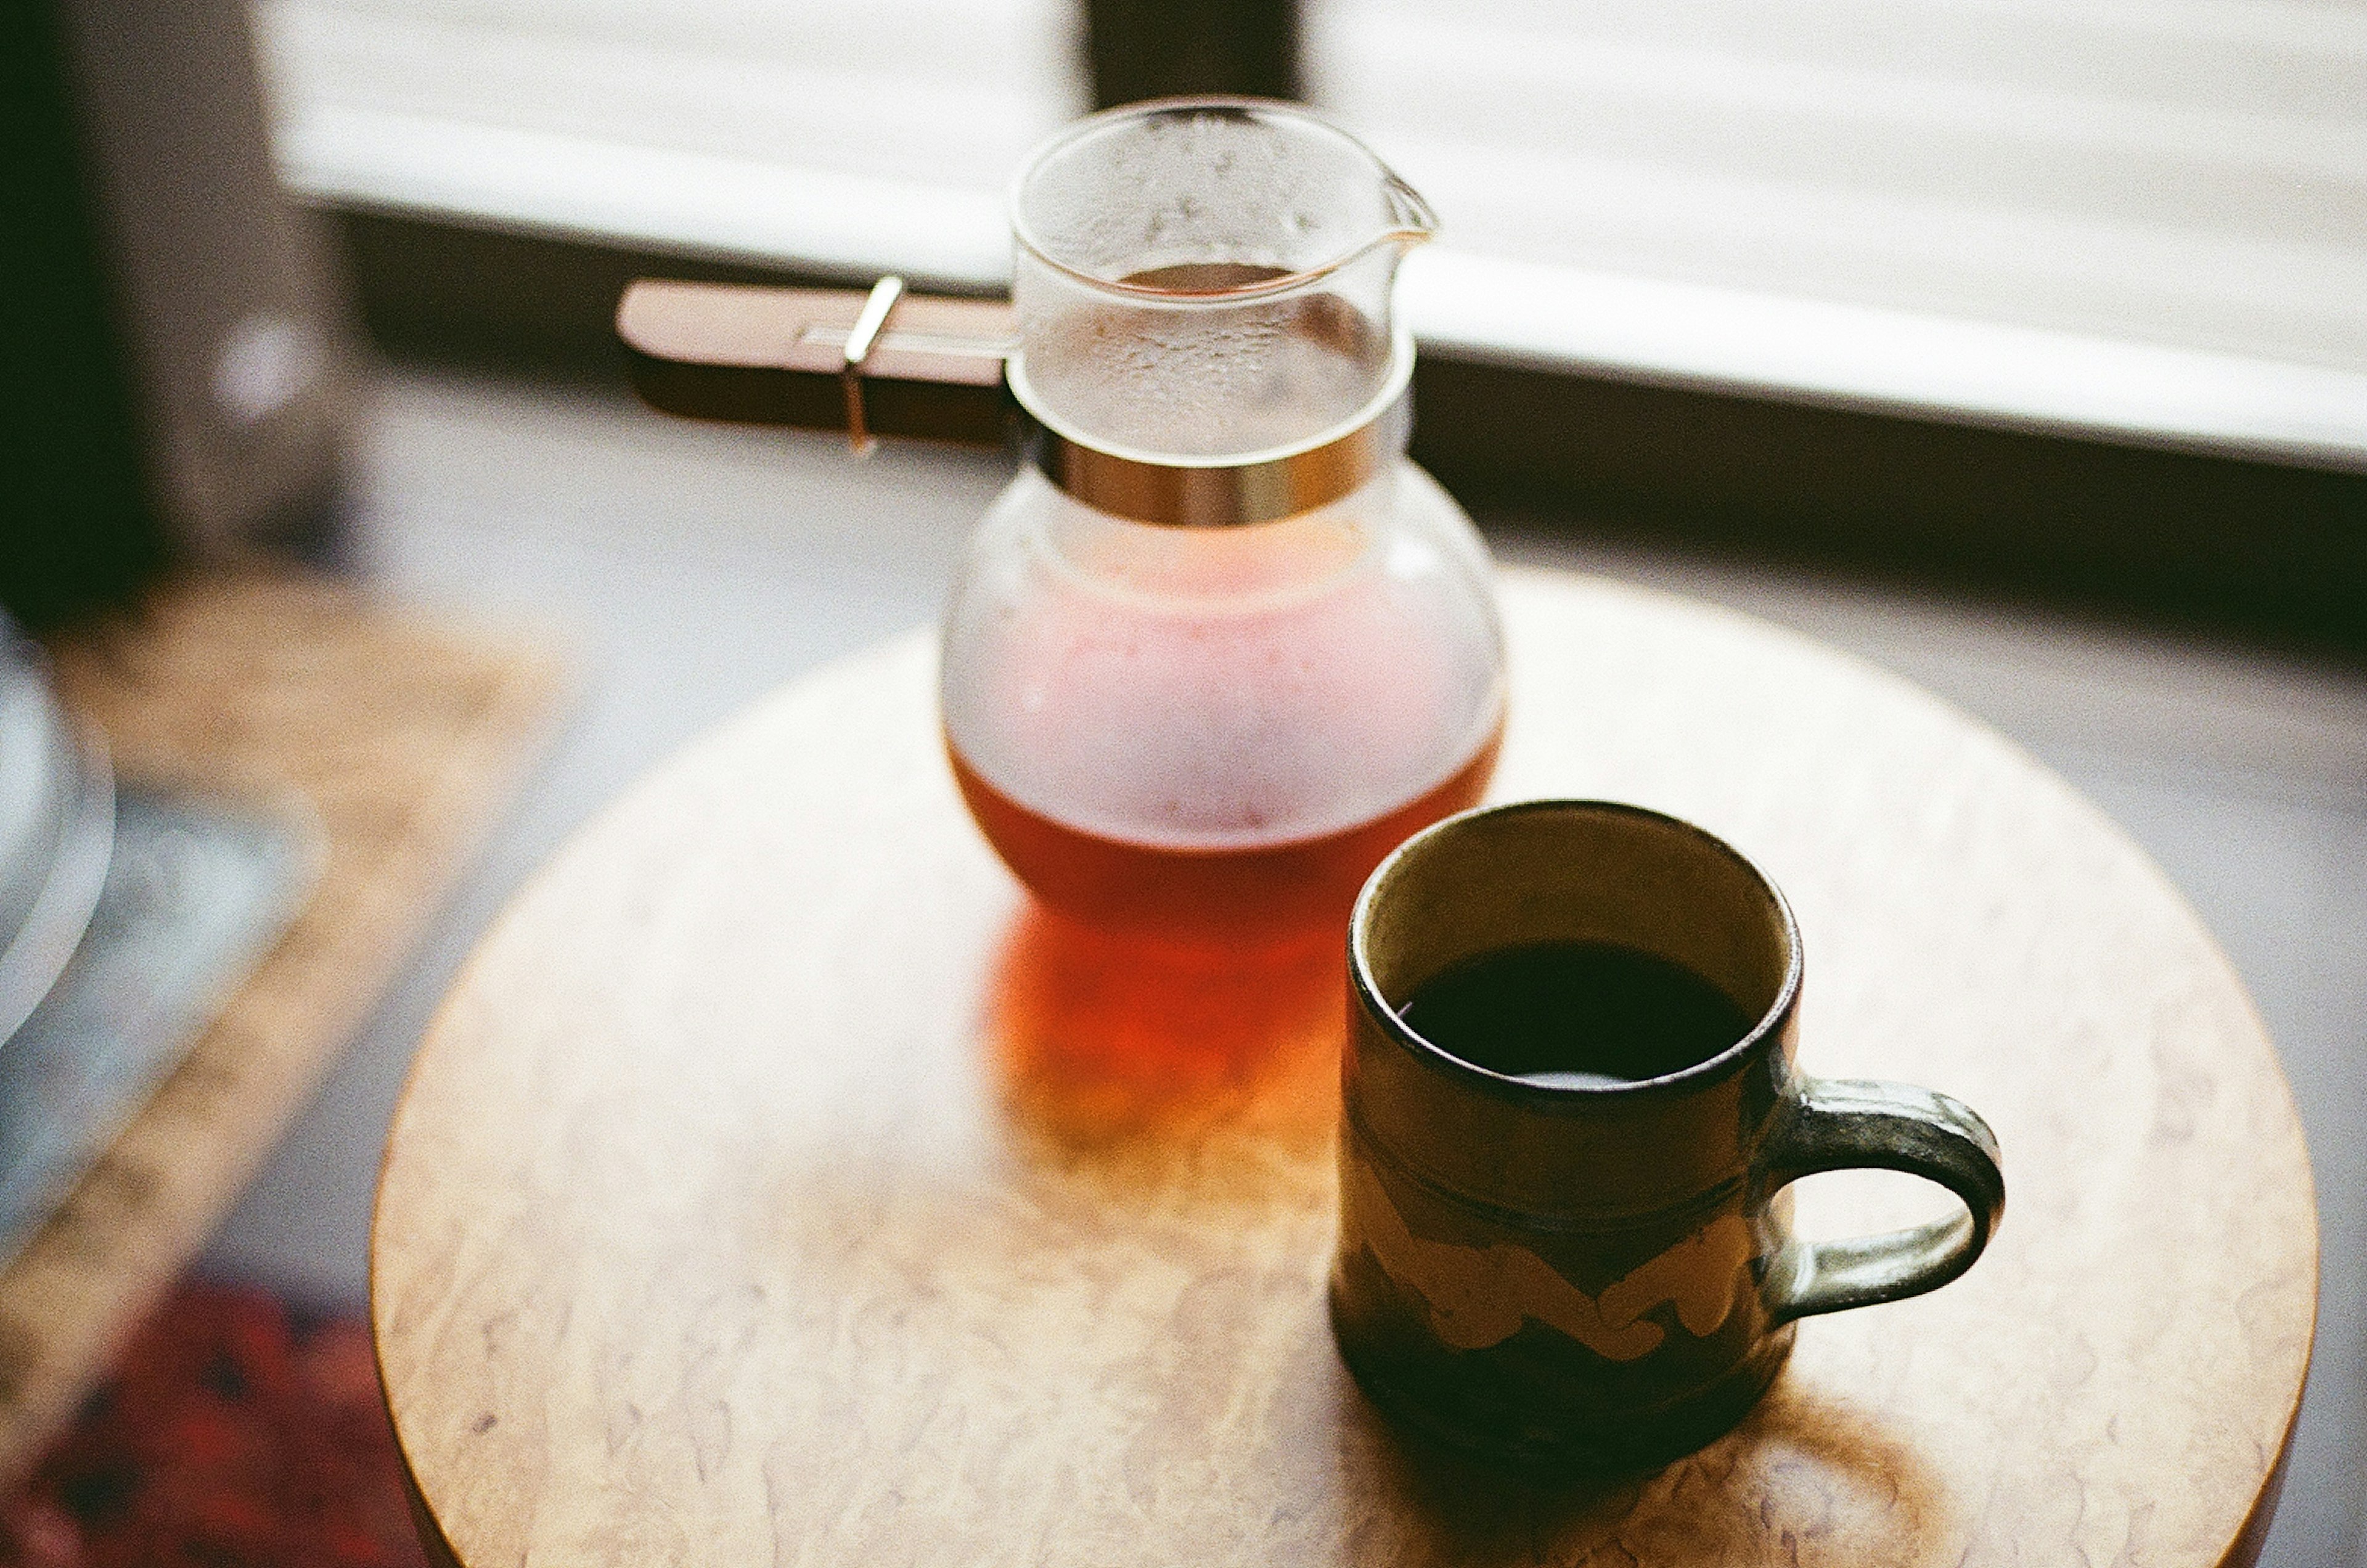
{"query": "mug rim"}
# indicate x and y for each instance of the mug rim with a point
(1372, 1001)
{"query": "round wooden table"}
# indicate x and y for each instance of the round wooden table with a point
(776, 1188)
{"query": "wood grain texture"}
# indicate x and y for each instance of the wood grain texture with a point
(774, 1187)
(398, 740)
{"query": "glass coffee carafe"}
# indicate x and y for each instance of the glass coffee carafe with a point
(1220, 646)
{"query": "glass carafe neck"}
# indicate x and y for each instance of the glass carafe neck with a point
(1202, 291)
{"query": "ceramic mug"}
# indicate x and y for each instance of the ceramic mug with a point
(1600, 1275)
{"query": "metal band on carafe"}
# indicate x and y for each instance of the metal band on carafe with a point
(1221, 493)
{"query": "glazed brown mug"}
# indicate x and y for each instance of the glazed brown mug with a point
(1565, 1240)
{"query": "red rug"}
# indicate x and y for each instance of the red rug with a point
(231, 1435)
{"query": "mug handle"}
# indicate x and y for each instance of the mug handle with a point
(1854, 1124)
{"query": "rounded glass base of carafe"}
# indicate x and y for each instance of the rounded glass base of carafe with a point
(1212, 735)
(1258, 896)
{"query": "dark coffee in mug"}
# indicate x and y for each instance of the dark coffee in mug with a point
(1570, 1114)
(1575, 1014)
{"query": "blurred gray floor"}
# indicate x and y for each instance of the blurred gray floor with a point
(692, 569)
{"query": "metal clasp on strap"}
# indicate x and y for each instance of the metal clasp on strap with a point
(861, 339)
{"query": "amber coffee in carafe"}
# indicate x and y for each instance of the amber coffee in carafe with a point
(1220, 646)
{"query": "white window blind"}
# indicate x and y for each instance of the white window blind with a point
(848, 136)
(2143, 216)
(2170, 171)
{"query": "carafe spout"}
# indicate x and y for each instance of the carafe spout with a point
(1416, 224)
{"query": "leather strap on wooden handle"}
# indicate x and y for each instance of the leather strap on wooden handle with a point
(768, 355)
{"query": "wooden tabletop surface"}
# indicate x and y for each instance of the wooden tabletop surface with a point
(773, 1187)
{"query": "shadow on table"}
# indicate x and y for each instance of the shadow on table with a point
(1803, 1477)
(1116, 1048)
